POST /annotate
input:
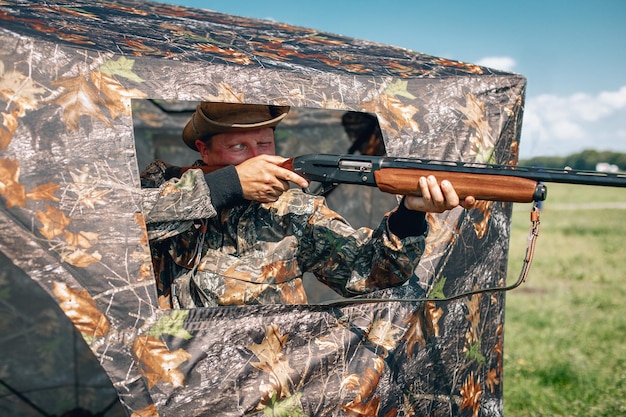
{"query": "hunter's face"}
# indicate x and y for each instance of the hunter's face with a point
(233, 148)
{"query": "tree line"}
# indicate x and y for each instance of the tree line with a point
(585, 160)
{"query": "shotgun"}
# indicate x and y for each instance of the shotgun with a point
(515, 184)
(506, 183)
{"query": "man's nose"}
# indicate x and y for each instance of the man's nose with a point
(255, 151)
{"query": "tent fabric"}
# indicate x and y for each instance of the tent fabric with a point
(70, 215)
(44, 358)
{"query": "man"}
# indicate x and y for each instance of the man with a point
(240, 235)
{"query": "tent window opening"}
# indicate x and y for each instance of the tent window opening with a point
(158, 127)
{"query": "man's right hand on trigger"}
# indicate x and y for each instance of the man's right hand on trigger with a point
(263, 180)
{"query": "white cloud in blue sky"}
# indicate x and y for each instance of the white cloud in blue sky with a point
(503, 63)
(571, 52)
(559, 125)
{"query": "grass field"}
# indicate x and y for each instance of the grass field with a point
(565, 328)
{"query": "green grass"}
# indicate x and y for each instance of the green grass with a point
(565, 328)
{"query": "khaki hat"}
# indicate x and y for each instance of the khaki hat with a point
(212, 118)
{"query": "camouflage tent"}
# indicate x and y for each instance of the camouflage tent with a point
(80, 82)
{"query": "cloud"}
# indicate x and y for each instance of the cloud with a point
(557, 125)
(503, 63)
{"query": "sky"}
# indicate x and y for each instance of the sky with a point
(572, 52)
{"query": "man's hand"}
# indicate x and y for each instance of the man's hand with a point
(263, 180)
(436, 198)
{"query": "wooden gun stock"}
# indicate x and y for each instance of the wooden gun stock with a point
(481, 186)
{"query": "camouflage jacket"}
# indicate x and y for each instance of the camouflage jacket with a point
(256, 253)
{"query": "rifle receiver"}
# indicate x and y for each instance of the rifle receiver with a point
(337, 169)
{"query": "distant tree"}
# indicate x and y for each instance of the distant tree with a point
(619, 159)
(585, 160)
(544, 161)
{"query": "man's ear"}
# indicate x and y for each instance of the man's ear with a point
(202, 147)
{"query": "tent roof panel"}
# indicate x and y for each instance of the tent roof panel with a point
(158, 30)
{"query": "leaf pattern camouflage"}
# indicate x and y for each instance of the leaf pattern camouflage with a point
(71, 214)
(257, 253)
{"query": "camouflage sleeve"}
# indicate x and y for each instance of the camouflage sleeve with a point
(171, 206)
(358, 261)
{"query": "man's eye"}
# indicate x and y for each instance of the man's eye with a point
(238, 147)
